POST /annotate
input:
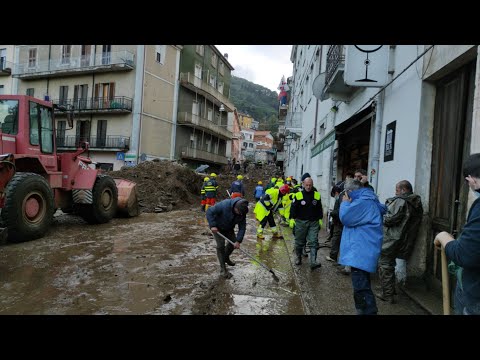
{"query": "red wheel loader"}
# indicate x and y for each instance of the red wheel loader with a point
(35, 180)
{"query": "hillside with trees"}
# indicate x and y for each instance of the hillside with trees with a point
(257, 101)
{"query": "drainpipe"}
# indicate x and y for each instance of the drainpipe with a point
(16, 58)
(377, 138)
(175, 106)
(138, 100)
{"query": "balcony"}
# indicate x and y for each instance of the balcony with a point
(116, 105)
(282, 112)
(5, 67)
(107, 143)
(193, 153)
(293, 122)
(102, 62)
(335, 86)
(186, 118)
(190, 81)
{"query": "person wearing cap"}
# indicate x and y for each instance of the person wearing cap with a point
(222, 218)
(307, 211)
(265, 208)
(210, 192)
(213, 177)
(203, 197)
(259, 191)
(237, 189)
(271, 184)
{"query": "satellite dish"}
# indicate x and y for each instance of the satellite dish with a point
(318, 86)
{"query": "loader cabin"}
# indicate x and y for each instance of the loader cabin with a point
(27, 125)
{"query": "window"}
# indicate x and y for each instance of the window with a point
(220, 87)
(101, 133)
(250, 145)
(103, 93)
(198, 70)
(30, 92)
(41, 127)
(214, 60)
(66, 54)
(213, 80)
(80, 94)
(86, 51)
(106, 54)
(160, 53)
(32, 58)
(61, 127)
(200, 49)
(63, 95)
(221, 67)
(2, 90)
(3, 59)
(9, 116)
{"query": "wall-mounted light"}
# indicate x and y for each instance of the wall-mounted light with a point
(222, 108)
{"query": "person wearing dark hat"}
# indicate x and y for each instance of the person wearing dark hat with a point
(222, 218)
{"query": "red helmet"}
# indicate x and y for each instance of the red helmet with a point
(284, 189)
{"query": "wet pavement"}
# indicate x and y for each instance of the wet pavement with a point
(166, 264)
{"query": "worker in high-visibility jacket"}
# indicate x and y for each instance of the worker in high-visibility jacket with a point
(308, 213)
(265, 208)
(210, 193)
(203, 197)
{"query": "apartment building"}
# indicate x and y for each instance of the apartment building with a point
(6, 65)
(420, 124)
(123, 97)
(203, 103)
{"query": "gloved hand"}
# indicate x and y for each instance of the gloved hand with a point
(320, 222)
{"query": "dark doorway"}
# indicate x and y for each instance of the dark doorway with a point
(451, 146)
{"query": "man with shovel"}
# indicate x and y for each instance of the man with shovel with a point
(222, 218)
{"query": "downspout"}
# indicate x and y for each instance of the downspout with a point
(16, 58)
(175, 106)
(378, 134)
(138, 100)
(48, 79)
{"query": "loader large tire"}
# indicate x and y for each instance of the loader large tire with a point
(29, 207)
(104, 206)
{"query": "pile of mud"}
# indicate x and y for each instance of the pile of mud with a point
(163, 185)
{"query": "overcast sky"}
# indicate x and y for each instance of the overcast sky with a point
(261, 64)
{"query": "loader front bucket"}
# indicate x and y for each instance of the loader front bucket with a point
(127, 198)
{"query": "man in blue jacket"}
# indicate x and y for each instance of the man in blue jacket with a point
(362, 217)
(465, 250)
(222, 218)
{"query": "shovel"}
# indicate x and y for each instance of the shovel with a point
(445, 284)
(251, 257)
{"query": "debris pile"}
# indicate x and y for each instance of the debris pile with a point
(163, 185)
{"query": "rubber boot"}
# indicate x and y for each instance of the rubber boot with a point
(260, 232)
(228, 251)
(276, 234)
(223, 269)
(313, 259)
(298, 258)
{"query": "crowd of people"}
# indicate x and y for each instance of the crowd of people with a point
(365, 234)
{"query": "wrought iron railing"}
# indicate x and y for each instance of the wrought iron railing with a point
(122, 57)
(115, 104)
(194, 153)
(107, 142)
(204, 124)
(293, 120)
(335, 57)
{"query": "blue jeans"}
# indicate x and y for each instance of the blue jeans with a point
(365, 303)
(459, 304)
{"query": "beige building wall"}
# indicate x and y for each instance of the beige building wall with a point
(158, 102)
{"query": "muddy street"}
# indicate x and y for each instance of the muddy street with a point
(166, 263)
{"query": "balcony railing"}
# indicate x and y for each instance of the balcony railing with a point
(107, 142)
(193, 153)
(117, 104)
(195, 83)
(112, 61)
(220, 130)
(335, 58)
(293, 121)
(5, 67)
